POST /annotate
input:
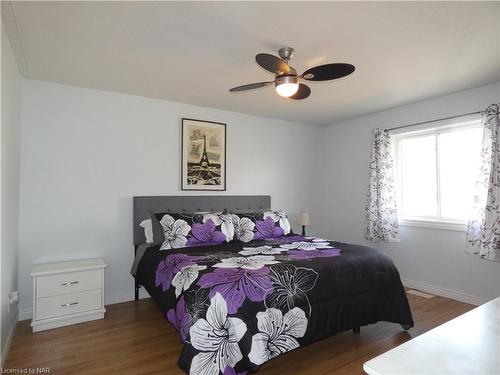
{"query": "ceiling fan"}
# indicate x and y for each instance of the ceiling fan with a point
(286, 79)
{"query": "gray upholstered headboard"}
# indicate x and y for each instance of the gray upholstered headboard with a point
(193, 203)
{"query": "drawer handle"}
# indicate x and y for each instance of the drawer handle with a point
(70, 283)
(69, 304)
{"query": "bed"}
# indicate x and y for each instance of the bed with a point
(242, 304)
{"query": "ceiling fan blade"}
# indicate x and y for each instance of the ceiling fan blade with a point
(303, 92)
(328, 71)
(251, 86)
(272, 63)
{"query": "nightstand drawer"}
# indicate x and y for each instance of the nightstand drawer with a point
(53, 285)
(50, 307)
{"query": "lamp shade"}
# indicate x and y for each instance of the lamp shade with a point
(304, 219)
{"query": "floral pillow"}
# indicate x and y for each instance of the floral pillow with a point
(260, 225)
(179, 230)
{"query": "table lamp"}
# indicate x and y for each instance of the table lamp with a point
(305, 221)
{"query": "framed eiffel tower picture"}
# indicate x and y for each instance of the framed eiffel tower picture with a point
(203, 155)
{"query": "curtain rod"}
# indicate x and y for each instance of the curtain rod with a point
(439, 119)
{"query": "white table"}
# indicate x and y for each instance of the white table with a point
(469, 344)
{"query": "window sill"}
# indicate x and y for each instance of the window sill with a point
(434, 224)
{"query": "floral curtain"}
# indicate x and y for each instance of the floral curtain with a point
(381, 222)
(483, 228)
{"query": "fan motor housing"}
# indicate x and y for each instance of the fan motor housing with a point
(286, 53)
(288, 78)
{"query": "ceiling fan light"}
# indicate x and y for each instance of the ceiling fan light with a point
(287, 86)
(287, 89)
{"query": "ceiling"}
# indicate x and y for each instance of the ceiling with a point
(193, 52)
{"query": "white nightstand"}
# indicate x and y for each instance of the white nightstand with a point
(67, 293)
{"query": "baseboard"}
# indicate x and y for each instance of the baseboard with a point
(111, 300)
(6, 348)
(444, 292)
(26, 314)
(86, 316)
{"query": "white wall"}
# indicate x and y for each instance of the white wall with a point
(85, 153)
(11, 108)
(430, 256)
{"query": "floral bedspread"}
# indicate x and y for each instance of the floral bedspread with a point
(238, 305)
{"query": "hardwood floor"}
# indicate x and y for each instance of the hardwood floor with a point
(134, 338)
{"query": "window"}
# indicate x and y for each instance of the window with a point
(435, 171)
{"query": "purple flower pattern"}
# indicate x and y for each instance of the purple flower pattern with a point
(237, 284)
(180, 319)
(266, 229)
(310, 254)
(232, 371)
(205, 234)
(170, 266)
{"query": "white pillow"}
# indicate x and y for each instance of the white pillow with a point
(148, 230)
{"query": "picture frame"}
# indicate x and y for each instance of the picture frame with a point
(203, 155)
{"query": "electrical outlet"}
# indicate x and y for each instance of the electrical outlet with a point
(13, 298)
